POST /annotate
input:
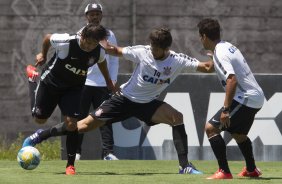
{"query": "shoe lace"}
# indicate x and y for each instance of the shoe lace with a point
(188, 169)
(191, 165)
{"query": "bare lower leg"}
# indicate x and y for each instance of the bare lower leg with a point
(88, 123)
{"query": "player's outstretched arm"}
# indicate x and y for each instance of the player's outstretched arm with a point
(206, 67)
(111, 49)
(42, 56)
(105, 72)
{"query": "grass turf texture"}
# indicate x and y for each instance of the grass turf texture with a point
(128, 172)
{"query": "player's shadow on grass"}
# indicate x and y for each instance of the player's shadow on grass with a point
(113, 173)
(262, 178)
(158, 173)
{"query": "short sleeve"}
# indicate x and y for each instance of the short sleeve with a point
(60, 42)
(134, 53)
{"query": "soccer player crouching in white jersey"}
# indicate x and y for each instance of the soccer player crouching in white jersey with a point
(243, 99)
(156, 68)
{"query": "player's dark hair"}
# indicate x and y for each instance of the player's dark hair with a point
(209, 27)
(161, 37)
(95, 32)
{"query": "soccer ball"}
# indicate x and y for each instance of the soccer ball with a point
(28, 157)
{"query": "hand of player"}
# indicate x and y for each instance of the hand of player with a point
(39, 59)
(116, 87)
(113, 87)
(110, 49)
(225, 119)
(105, 44)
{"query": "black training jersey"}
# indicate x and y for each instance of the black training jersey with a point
(68, 67)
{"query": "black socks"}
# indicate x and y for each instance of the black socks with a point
(71, 141)
(181, 144)
(57, 130)
(247, 151)
(219, 149)
(71, 144)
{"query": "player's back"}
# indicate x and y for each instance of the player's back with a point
(228, 59)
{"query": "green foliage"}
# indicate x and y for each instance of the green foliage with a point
(9, 152)
(49, 150)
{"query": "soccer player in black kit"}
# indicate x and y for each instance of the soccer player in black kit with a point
(61, 83)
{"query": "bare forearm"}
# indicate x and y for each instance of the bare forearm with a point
(206, 67)
(46, 45)
(41, 57)
(111, 49)
(104, 70)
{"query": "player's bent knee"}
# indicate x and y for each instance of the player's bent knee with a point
(207, 127)
(86, 124)
(177, 118)
(70, 123)
(71, 126)
(210, 130)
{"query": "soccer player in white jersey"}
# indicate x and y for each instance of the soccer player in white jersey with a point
(95, 90)
(156, 68)
(243, 99)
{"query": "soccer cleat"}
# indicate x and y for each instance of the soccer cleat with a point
(110, 156)
(70, 170)
(189, 169)
(77, 156)
(33, 139)
(220, 174)
(245, 173)
(31, 73)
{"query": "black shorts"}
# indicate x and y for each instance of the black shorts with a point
(119, 108)
(48, 97)
(241, 121)
(92, 95)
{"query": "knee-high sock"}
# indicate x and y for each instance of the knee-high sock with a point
(247, 151)
(71, 141)
(107, 139)
(79, 144)
(181, 144)
(219, 149)
(32, 86)
(57, 130)
(71, 144)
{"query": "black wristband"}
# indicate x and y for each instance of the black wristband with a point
(225, 109)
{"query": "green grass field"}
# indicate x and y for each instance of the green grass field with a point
(128, 172)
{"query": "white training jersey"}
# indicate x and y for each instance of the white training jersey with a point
(61, 45)
(151, 76)
(229, 60)
(94, 75)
